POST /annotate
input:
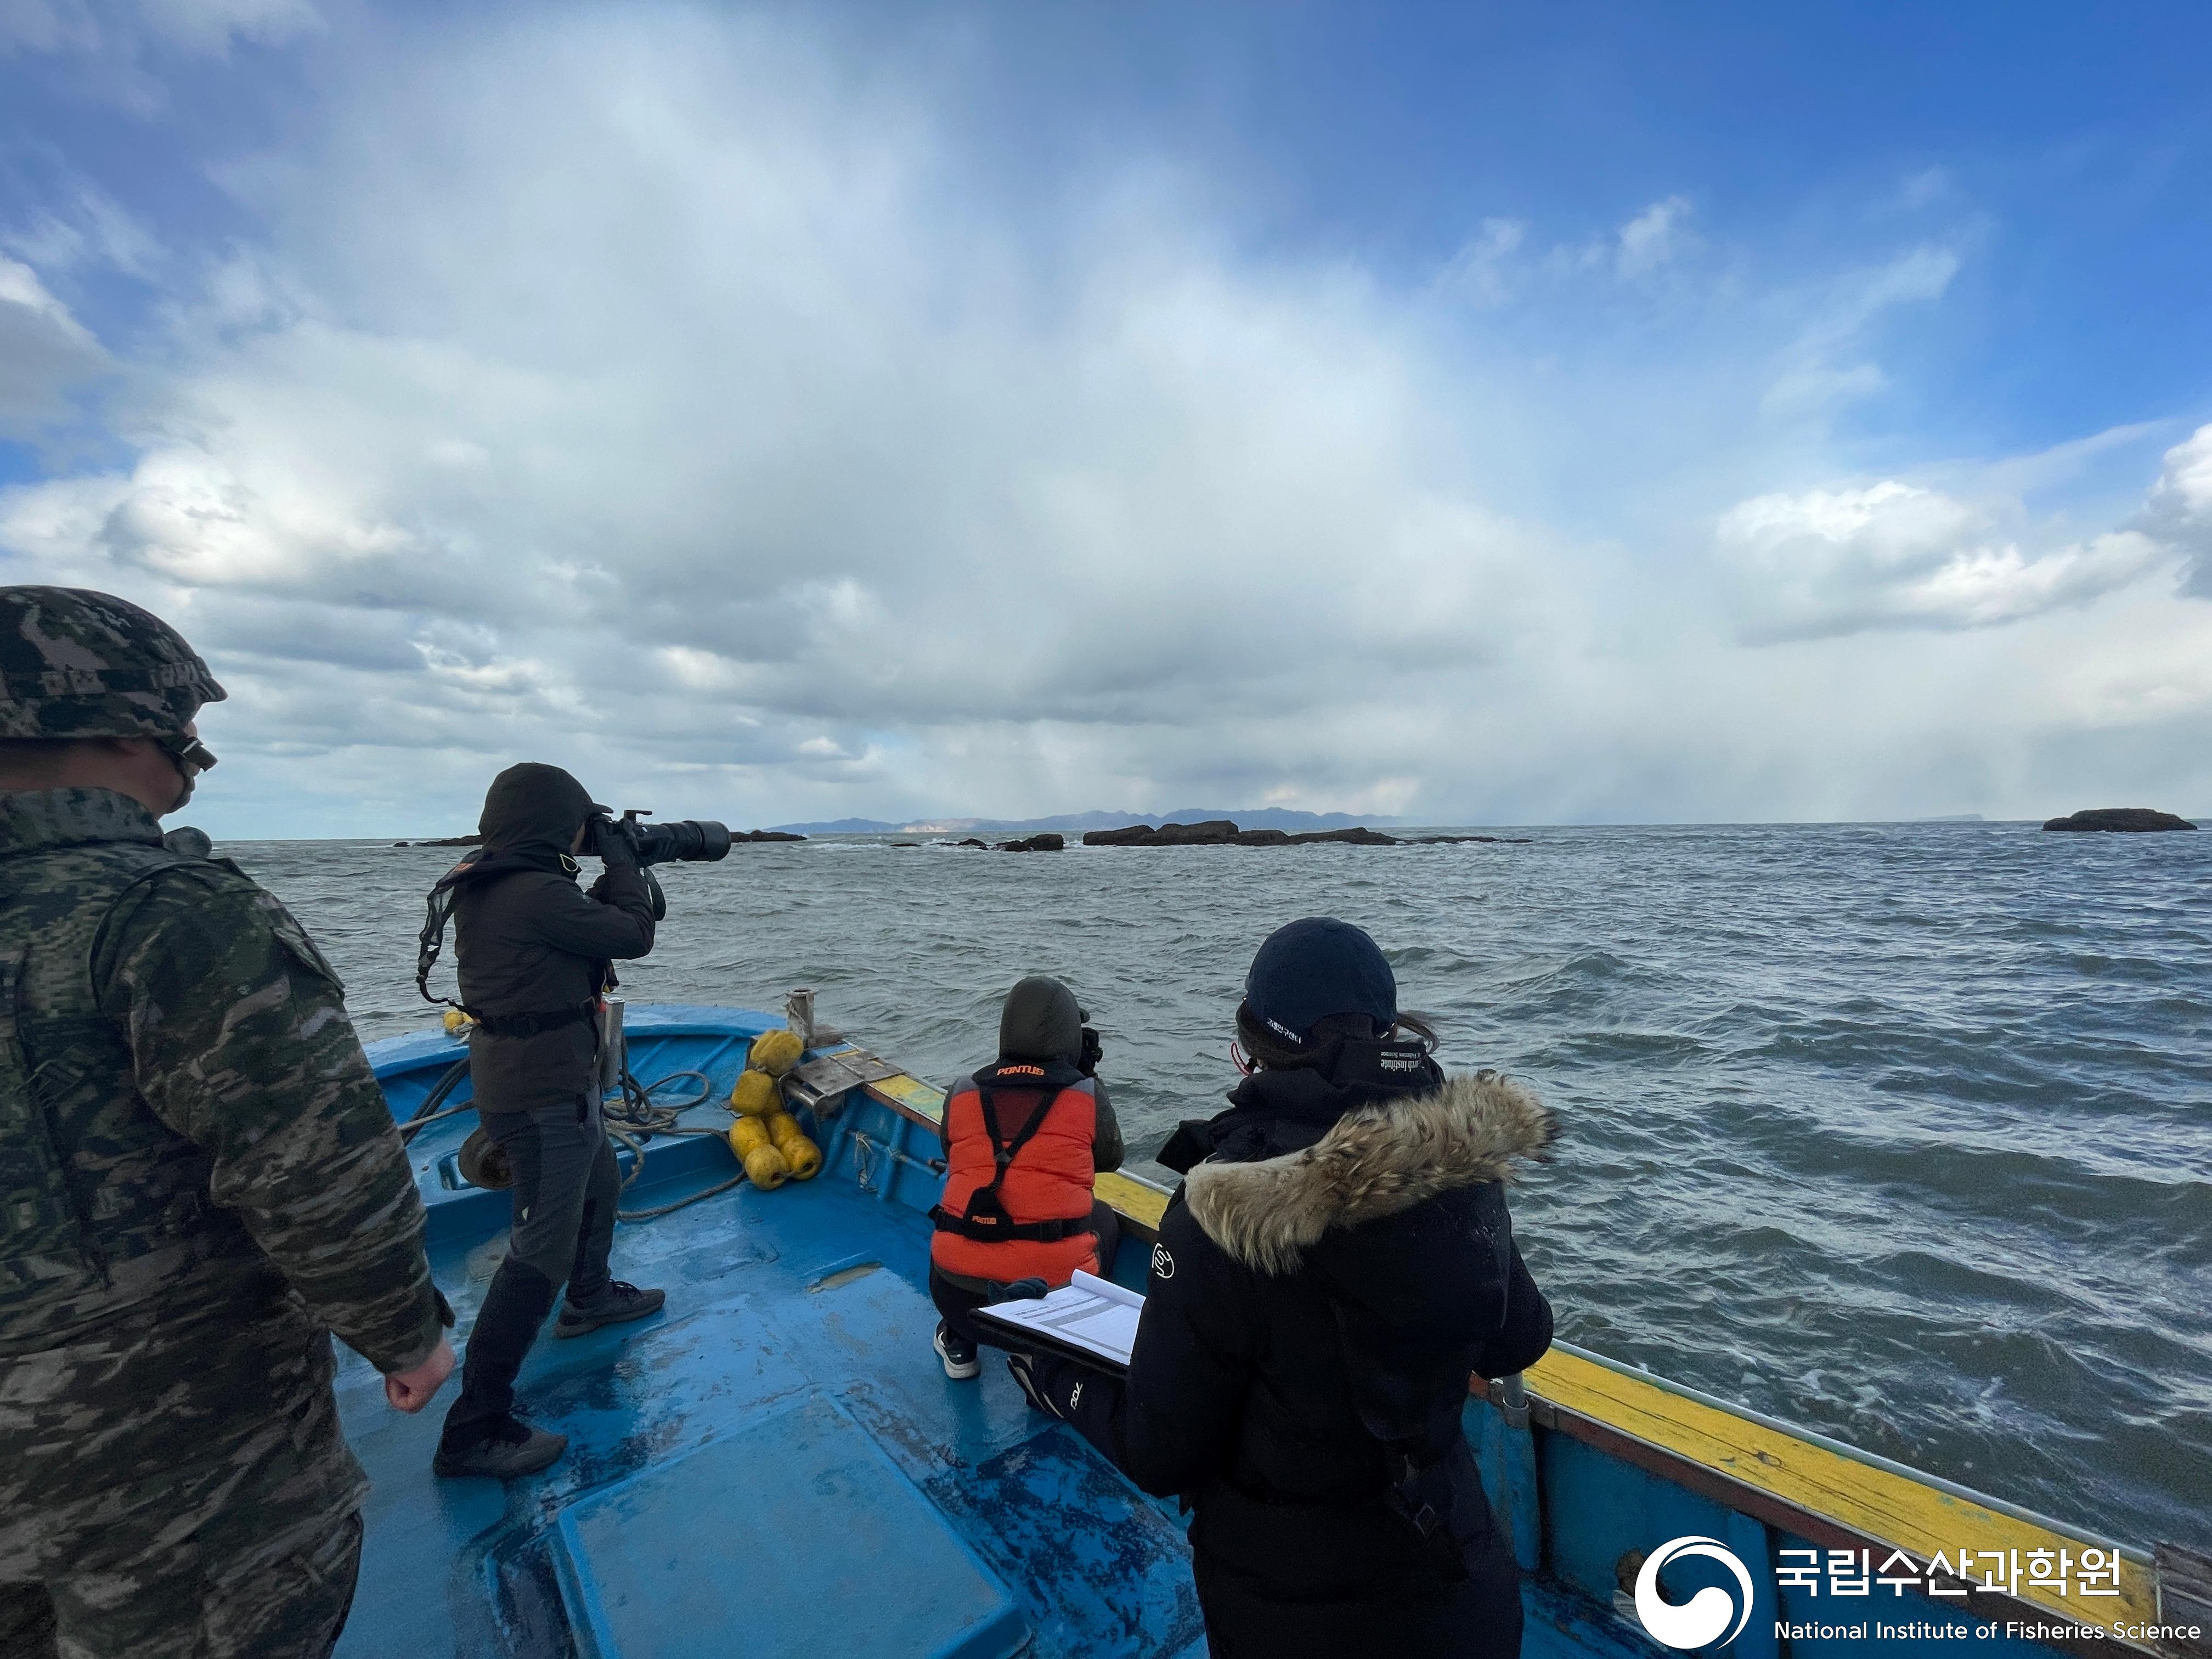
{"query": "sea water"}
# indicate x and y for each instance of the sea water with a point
(1903, 1133)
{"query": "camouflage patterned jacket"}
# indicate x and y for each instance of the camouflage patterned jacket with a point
(189, 1135)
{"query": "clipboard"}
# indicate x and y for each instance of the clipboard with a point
(1090, 1320)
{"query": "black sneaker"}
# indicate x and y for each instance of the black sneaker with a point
(512, 1448)
(957, 1353)
(617, 1304)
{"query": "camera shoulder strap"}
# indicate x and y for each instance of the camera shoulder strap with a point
(432, 940)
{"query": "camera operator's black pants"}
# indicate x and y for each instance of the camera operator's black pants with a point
(565, 1189)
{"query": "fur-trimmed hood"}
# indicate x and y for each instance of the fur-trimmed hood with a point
(1377, 1160)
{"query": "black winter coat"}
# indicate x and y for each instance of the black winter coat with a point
(528, 942)
(1324, 1285)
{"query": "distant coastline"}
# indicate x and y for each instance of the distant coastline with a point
(1077, 823)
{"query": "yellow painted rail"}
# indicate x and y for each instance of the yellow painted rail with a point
(1906, 1513)
(1139, 1201)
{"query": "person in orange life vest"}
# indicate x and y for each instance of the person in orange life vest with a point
(1022, 1139)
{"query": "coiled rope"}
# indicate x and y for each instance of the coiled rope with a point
(640, 1116)
(637, 1119)
(428, 1112)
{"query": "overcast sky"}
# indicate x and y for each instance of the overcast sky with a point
(1471, 414)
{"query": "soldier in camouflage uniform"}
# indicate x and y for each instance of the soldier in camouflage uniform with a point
(199, 1181)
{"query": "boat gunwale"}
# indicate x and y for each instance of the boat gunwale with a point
(2086, 1640)
(2133, 1553)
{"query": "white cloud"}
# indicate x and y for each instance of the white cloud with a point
(47, 25)
(657, 393)
(1494, 265)
(44, 351)
(1826, 363)
(2179, 510)
(1654, 236)
(1895, 555)
(209, 26)
(126, 26)
(85, 230)
(119, 53)
(1924, 188)
(1479, 273)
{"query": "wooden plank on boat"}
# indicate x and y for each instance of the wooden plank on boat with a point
(1881, 1504)
(917, 1099)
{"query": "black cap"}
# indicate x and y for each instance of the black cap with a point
(1313, 968)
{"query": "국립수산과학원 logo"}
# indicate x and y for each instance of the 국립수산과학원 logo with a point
(1699, 1621)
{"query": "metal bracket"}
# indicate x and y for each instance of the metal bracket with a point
(820, 1083)
(799, 1015)
(1515, 1405)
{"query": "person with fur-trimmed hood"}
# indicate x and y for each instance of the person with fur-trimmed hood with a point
(1336, 1265)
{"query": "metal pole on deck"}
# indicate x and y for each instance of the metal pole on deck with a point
(614, 1054)
(1522, 1516)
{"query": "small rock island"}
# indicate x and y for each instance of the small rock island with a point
(1220, 832)
(2136, 820)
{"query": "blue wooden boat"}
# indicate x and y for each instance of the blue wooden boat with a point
(779, 1466)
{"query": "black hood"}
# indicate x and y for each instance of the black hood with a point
(534, 811)
(1041, 1021)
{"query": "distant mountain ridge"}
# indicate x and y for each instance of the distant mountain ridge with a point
(1265, 817)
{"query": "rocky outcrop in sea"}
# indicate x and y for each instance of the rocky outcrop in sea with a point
(1221, 832)
(2138, 820)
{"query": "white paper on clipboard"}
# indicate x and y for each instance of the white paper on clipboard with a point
(1089, 1313)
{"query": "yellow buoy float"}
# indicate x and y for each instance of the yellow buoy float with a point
(774, 1052)
(756, 1095)
(765, 1164)
(804, 1156)
(766, 1138)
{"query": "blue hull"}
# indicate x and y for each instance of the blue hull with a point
(777, 1465)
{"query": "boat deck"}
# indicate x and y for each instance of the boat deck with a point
(778, 1465)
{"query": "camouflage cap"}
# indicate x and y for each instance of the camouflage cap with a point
(78, 664)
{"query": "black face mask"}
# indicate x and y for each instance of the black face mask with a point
(1289, 1107)
(1369, 1063)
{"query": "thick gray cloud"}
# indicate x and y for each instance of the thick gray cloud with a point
(664, 394)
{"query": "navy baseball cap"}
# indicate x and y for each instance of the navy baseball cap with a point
(1316, 967)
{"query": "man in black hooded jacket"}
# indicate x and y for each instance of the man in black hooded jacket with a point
(1325, 1283)
(534, 957)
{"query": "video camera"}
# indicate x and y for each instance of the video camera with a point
(688, 840)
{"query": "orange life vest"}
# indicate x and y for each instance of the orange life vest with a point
(1018, 1166)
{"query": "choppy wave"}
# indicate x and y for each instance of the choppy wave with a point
(1903, 1133)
